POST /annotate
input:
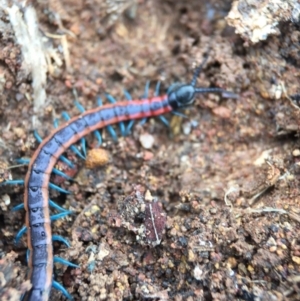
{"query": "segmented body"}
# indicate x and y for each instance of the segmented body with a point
(36, 195)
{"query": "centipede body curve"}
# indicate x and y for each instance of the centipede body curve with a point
(36, 183)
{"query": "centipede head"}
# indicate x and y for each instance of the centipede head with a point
(180, 96)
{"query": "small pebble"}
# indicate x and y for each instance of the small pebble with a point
(102, 253)
(147, 155)
(6, 199)
(296, 259)
(96, 157)
(198, 273)
(186, 128)
(146, 140)
(296, 152)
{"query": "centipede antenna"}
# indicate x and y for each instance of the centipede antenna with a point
(209, 90)
(198, 70)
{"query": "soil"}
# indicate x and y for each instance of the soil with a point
(207, 209)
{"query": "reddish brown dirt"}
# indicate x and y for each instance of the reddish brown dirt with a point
(227, 177)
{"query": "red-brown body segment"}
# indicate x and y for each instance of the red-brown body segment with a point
(36, 195)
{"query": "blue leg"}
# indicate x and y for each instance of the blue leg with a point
(121, 124)
(79, 107)
(55, 123)
(143, 121)
(112, 132)
(18, 207)
(23, 161)
(146, 90)
(66, 161)
(83, 146)
(57, 188)
(60, 173)
(77, 152)
(172, 87)
(157, 89)
(57, 216)
(66, 116)
(99, 101)
(98, 137)
(14, 182)
(53, 218)
(20, 234)
(127, 95)
(59, 287)
(57, 207)
(61, 239)
(65, 262)
(164, 120)
(37, 137)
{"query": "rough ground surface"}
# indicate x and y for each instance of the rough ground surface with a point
(226, 178)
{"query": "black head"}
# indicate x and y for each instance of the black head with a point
(184, 95)
(181, 96)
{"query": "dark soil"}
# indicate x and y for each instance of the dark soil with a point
(223, 183)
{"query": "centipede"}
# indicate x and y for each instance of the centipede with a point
(37, 180)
